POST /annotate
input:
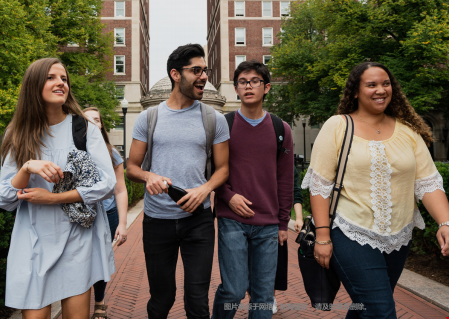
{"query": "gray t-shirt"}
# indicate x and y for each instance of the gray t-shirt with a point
(179, 153)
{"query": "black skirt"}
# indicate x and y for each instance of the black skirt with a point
(282, 268)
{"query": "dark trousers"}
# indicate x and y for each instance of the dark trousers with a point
(368, 275)
(162, 239)
(100, 286)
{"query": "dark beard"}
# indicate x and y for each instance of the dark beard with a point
(188, 89)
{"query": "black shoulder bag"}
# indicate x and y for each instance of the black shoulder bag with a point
(322, 284)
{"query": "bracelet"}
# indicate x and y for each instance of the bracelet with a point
(443, 224)
(28, 163)
(322, 227)
(328, 242)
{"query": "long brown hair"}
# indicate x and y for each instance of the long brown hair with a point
(104, 133)
(23, 136)
(399, 107)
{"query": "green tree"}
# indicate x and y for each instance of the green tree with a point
(78, 22)
(324, 39)
(24, 37)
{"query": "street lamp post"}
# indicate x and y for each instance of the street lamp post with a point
(124, 104)
(304, 135)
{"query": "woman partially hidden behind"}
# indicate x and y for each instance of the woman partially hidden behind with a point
(51, 258)
(389, 165)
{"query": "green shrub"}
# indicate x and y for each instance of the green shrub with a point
(6, 225)
(135, 190)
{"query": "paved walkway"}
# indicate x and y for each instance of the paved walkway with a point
(127, 293)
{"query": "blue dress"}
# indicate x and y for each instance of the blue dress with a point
(50, 258)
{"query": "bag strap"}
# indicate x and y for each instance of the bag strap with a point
(341, 169)
(209, 121)
(151, 120)
(79, 132)
(279, 130)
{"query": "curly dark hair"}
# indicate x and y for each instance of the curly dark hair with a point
(399, 107)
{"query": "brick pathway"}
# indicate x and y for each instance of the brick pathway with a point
(127, 293)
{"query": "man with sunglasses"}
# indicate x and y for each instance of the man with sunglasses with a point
(178, 156)
(253, 206)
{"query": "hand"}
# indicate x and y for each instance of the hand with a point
(155, 184)
(121, 233)
(39, 196)
(239, 205)
(298, 223)
(46, 169)
(443, 239)
(282, 236)
(323, 254)
(194, 197)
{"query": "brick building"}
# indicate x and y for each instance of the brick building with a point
(129, 22)
(238, 31)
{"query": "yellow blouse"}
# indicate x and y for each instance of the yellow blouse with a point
(383, 178)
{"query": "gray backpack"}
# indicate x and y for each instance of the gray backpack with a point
(209, 121)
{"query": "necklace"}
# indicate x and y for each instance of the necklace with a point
(378, 130)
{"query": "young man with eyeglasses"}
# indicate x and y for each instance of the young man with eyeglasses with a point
(253, 206)
(178, 156)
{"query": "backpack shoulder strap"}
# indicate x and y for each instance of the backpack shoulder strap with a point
(280, 133)
(209, 121)
(230, 119)
(79, 132)
(151, 120)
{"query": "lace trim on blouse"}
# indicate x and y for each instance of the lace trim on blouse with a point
(380, 188)
(317, 184)
(428, 184)
(385, 243)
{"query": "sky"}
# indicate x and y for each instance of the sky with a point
(174, 23)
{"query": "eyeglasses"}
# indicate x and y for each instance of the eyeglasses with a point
(254, 83)
(199, 71)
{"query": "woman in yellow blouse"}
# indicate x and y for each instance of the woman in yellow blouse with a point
(389, 168)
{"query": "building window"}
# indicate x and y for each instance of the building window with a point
(267, 36)
(119, 148)
(239, 8)
(285, 8)
(119, 36)
(267, 8)
(238, 97)
(240, 36)
(119, 8)
(239, 59)
(266, 59)
(119, 64)
(120, 92)
(72, 44)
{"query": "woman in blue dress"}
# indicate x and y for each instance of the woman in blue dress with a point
(116, 207)
(51, 258)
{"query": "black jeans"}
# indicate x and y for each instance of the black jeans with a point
(162, 238)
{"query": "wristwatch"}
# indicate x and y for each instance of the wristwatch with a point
(443, 224)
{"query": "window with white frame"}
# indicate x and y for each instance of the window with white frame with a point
(267, 8)
(72, 44)
(120, 92)
(239, 8)
(119, 36)
(285, 8)
(240, 36)
(119, 9)
(239, 59)
(119, 64)
(266, 59)
(267, 36)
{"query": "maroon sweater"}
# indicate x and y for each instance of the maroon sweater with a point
(255, 174)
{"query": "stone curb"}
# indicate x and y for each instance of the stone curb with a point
(56, 310)
(429, 290)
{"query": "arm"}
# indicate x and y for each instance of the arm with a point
(121, 198)
(285, 177)
(197, 195)
(134, 172)
(297, 202)
(438, 207)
